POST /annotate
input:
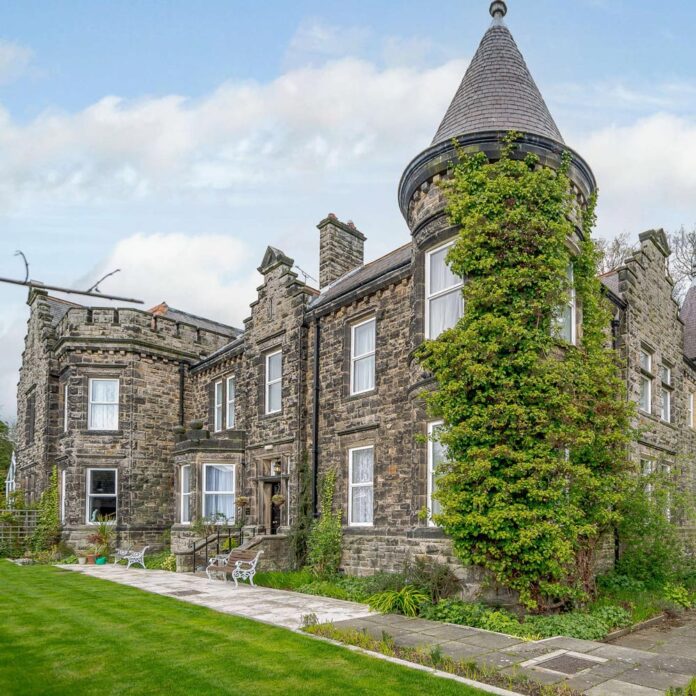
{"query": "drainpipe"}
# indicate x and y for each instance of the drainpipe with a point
(182, 375)
(315, 420)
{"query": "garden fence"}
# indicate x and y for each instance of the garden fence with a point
(16, 526)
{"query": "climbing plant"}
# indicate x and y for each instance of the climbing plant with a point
(324, 545)
(536, 429)
(47, 532)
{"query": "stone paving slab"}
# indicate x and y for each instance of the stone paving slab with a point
(277, 607)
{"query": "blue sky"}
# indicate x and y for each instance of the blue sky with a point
(177, 139)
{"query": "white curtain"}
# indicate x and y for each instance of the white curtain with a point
(104, 404)
(219, 487)
(445, 311)
(362, 503)
(185, 493)
(364, 374)
(441, 276)
(438, 456)
(274, 367)
(274, 395)
(364, 337)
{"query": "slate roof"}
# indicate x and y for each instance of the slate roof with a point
(688, 316)
(59, 308)
(611, 281)
(363, 275)
(497, 93)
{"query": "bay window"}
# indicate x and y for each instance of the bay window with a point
(218, 492)
(361, 482)
(103, 404)
(362, 357)
(444, 303)
(101, 494)
(274, 382)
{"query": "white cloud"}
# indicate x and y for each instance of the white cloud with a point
(208, 275)
(14, 60)
(315, 41)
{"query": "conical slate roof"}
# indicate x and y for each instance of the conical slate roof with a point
(497, 93)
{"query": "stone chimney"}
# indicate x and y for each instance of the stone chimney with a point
(341, 249)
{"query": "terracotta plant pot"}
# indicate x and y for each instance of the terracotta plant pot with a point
(91, 558)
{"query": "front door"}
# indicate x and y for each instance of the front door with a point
(275, 509)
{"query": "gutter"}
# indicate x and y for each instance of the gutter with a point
(315, 419)
(182, 375)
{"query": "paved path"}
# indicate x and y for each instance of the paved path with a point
(260, 603)
(676, 637)
(596, 669)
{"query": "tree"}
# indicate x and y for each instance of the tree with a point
(613, 252)
(536, 429)
(682, 263)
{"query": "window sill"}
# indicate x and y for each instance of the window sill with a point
(101, 432)
(275, 414)
(361, 395)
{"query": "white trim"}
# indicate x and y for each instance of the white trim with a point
(270, 382)
(183, 495)
(666, 393)
(230, 403)
(352, 485)
(89, 495)
(232, 492)
(573, 304)
(646, 377)
(116, 403)
(65, 407)
(429, 297)
(10, 480)
(429, 499)
(217, 406)
(354, 358)
(62, 495)
(691, 410)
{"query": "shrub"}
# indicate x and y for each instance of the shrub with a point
(47, 532)
(164, 560)
(455, 611)
(406, 601)
(436, 579)
(325, 538)
(325, 588)
(614, 582)
(678, 594)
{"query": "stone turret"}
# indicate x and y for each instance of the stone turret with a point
(496, 96)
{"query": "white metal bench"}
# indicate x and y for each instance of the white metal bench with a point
(131, 556)
(241, 565)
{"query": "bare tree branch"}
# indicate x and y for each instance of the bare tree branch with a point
(614, 252)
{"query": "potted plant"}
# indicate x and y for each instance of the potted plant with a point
(278, 499)
(102, 538)
(91, 556)
(82, 560)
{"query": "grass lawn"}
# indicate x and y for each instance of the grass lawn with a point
(65, 633)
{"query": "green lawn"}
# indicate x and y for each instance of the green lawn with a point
(65, 633)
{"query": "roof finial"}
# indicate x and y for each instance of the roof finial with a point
(498, 9)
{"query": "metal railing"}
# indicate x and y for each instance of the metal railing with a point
(214, 545)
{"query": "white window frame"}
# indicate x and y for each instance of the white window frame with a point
(206, 492)
(691, 410)
(429, 297)
(648, 467)
(65, 407)
(89, 495)
(646, 377)
(217, 406)
(354, 358)
(90, 403)
(666, 393)
(431, 429)
(352, 485)
(230, 403)
(573, 305)
(270, 382)
(184, 497)
(63, 474)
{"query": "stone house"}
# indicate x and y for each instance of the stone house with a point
(162, 417)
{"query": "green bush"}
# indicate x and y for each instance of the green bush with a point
(164, 560)
(455, 611)
(614, 582)
(435, 579)
(406, 601)
(326, 535)
(47, 532)
(679, 595)
(325, 588)
(284, 580)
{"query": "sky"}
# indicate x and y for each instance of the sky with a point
(176, 140)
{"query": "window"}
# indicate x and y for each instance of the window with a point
(361, 472)
(65, 407)
(274, 381)
(566, 322)
(645, 402)
(444, 304)
(62, 495)
(231, 395)
(691, 411)
(362, 357)
(666, 394)
(185, 516)
(647, 467)
(101, 494)
(436, 455)
(217, 408)
(218, 492)
(10, 482)
(103, 404)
